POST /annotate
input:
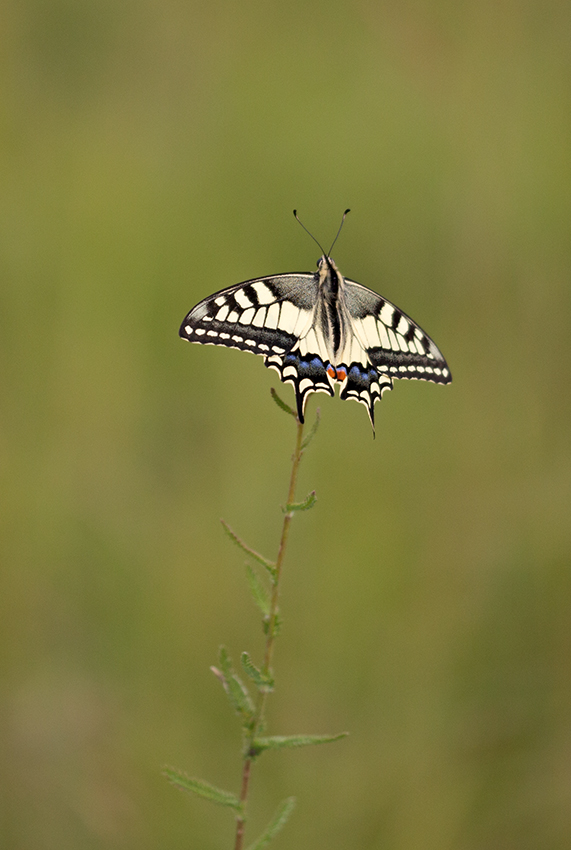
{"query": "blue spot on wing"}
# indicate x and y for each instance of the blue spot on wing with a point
(312, 368)
(360, 378)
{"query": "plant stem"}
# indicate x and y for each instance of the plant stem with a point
(271, 634)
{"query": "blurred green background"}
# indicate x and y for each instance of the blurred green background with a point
(152, 153)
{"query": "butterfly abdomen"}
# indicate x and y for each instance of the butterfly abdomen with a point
(331, 318)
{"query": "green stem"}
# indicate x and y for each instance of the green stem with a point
(270, 639)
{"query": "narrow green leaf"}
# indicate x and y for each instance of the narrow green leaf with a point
(203, 789)
(263, 682)
(277, 822)
(241, 697)
(282, 404)
(235, 703)
(301, 506)
(269, 565)
(276, 742)
(313, 431)
(235, 689)
(261, 597)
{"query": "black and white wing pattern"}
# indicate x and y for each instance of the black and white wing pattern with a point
(319, 329)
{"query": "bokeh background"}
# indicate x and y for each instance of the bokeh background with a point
(152, 153)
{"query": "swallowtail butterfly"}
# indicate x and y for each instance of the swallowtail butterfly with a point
(318, 329)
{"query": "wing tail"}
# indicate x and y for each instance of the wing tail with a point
(306, 374)
(365, 385)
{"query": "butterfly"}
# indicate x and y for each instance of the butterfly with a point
(319, 329)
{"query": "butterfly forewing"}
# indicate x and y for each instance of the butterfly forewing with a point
(260, 315)
(394, 343)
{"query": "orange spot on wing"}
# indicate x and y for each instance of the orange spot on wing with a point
(331, 372)
(341, 374)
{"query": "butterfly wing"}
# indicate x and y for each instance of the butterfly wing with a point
(385, 344)
(271, 316)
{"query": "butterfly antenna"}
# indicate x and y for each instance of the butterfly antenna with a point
(307, 231)
(339, 231)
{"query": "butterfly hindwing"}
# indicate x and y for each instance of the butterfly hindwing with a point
(365, 384)
(306, 374)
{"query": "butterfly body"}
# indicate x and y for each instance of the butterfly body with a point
(318, 329)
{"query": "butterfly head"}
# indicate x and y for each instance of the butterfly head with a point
(330, 280)
(327, 269)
